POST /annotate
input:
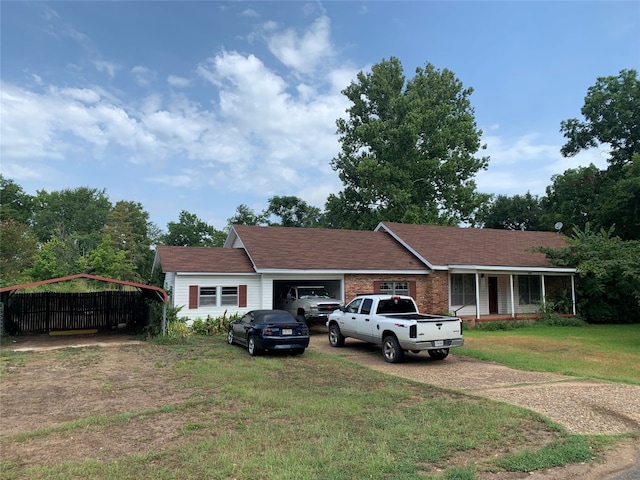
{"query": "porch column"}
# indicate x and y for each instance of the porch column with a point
(573, 293)
(543, 291)
(513, 305)
(477, 296)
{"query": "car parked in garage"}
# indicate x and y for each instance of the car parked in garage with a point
(261, 330)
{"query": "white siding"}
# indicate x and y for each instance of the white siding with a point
(181, 294)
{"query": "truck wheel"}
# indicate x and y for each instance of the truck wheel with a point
(439, 353)
(251, 347)
(336, 339)
(391, 350)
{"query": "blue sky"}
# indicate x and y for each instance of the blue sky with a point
(203, 106)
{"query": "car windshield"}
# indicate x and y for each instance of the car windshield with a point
(276, 318)
(313, 292)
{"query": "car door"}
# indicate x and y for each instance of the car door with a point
(241, 328)
(349, 317)
(364, 321)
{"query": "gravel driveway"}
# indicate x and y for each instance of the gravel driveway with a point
(581, 406)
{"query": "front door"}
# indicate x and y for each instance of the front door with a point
(493, 295)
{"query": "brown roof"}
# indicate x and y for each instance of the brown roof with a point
(204, 259)
(442, 246)
(324, 249)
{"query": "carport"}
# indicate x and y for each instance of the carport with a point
(54, 312)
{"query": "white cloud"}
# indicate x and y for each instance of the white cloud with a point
(178, 82)
(108, 67)
(143, 76)
(303, 53)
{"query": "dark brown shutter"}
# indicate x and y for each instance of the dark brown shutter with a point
(412, 290)
(242, 296)
(376, 287)
(193, 296)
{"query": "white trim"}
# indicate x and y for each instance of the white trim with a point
(341, 272)
(506, 270)
(217, 274)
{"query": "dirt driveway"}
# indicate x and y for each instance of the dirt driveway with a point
(584, 407)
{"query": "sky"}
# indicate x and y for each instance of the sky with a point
(206, 105)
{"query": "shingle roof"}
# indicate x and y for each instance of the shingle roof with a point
(323, 249)
(442, 246)
(204, 259)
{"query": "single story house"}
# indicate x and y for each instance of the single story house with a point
(473, 273)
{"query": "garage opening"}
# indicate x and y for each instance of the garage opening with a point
(280, 287)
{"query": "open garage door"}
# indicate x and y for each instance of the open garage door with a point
(333, 287)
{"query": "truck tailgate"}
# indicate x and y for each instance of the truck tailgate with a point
(439, 329)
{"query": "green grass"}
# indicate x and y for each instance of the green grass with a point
(313, 416)
(604, 352)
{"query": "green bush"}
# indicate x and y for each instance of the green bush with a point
(213, 326)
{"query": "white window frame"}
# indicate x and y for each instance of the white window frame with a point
(395, 288)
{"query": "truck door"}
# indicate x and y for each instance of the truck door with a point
(350, 317)
(364, 322)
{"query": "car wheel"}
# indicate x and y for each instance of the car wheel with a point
(251, 346)
(391, 350)
(336, 339)
(230, 336)
(439, 353)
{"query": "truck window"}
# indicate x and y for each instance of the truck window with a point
(396, 305)
(366, 306)
(353, 306)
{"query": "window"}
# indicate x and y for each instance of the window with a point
(229, 296)
(394, 288)
(529, 289)
(208, 296)
(463, 289)
(366, 306)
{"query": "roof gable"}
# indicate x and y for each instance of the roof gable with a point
(289, 248)
(446, 246)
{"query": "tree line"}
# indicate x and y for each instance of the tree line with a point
(410, 151)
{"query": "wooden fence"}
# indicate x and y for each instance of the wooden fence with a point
(51, 311)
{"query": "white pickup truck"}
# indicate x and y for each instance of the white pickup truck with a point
(393, 321)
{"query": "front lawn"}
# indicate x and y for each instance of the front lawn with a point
(207, 410)
(605, 352)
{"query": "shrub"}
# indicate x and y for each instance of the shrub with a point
(213, 326)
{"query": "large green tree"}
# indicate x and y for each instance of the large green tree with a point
(608, 284)
(129, 230)
(15, 204)
(293, 212)
(520, 212)
(78, 214)
(574, 198)
(190, 231)
(611, 114)
(245, 215)
(408, 150)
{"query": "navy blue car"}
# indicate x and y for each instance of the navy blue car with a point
(261, 330)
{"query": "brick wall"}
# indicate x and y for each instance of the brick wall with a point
(432, 291)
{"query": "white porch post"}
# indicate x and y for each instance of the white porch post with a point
(573, 293)
(513, 304)
(477, 296)
(543, 290)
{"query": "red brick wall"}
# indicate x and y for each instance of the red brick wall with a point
(432, 291)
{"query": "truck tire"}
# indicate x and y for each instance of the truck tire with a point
(251, 347)
(391, 350)
(439, 353)
(336, 339)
